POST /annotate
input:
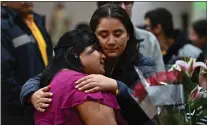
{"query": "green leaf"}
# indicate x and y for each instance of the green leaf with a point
(198, 102)
(188, 85)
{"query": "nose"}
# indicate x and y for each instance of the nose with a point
(123, 6)
(111, 40)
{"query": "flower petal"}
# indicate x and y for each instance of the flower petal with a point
(183, 64)
(199, 64)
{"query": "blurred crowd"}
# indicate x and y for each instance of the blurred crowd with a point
(27, 46)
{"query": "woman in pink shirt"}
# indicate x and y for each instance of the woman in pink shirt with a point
(76, 55)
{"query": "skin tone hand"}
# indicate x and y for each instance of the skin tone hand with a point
(95, 83)
(41, 99)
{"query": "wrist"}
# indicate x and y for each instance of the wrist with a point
(115, 86)
(29, 100)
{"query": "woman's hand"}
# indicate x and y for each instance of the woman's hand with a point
(41, 99)
(94, 83)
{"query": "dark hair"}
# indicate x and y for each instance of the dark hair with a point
(114, 11)
(200, 28)
(163, 17)
(67, 52)
(82, 26)
(101, 3)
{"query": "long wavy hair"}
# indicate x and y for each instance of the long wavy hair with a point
(67, 52)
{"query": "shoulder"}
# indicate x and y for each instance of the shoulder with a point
(194, 51)
(143, 34)
(146, 65)
(7, 19)
(144, 61)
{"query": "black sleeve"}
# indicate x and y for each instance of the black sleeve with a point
(31, 86)
(11, 86)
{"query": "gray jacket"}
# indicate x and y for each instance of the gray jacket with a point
(150, 47)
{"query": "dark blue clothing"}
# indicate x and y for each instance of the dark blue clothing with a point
(20, 57)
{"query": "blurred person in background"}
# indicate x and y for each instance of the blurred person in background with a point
(25, 51)
(149, 46)
(198, 36)
(174, 43)
(59, 22)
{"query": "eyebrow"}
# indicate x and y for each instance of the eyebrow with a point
(118, 30)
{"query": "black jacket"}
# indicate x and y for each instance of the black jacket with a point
(20, 56)
(181, 40)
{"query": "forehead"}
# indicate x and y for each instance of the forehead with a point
(147, 21)
(110, 24)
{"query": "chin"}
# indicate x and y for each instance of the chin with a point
(112, 55)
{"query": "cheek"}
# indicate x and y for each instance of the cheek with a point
(193, 37)
(91, 62)
(122, 42)
(102, 41)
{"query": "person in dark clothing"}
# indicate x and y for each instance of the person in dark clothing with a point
(174, 43)
(115, 33)
(21, 57)
(198, 36)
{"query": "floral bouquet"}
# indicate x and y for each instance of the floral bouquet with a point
(172, 98)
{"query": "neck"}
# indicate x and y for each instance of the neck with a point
(111, 64)
(165, 42)
(25, 14)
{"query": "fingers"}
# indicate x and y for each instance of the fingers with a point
(45, 89)
(96, 89)
(83, 83)
(87, 86)
(43, 105)
(44, 100)
(46, 94)
(40, 109)
(84, 79)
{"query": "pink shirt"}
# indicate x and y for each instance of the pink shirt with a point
(65, 97)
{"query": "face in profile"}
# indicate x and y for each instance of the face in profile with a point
(22, 7)
(148, 25)
(112, 36)
(92, 60)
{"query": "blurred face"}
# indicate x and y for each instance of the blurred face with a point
(194, 37)
(112, 36)
(128, 7)
(155, 30)
(147, 23)
(92, 61)
(22, 7)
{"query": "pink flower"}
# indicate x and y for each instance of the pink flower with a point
(195, 94)
(189, 66)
